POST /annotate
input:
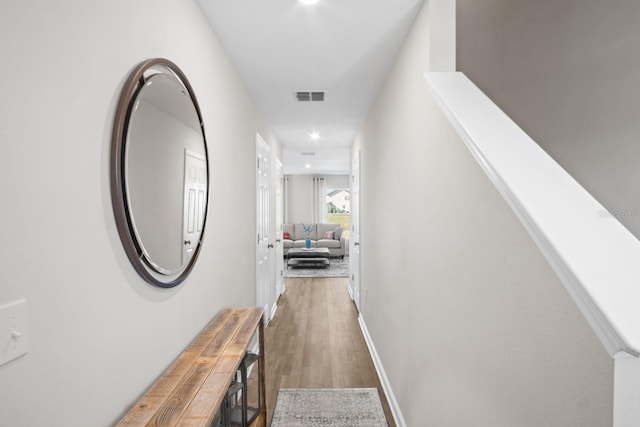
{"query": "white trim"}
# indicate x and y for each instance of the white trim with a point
(255, 349)
(263, 293)
(273, 310)
(384, 380)
(595, 257)
(626, 391)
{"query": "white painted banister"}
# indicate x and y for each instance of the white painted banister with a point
(597, 259)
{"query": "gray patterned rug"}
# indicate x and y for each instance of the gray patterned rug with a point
(338, 268)
(334, 407)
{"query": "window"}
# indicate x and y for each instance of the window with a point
(339, 208)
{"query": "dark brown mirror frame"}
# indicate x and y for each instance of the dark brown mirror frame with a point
(119, 202)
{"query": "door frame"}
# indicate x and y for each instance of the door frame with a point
(279, 248)
(264, 260)
(354, 238)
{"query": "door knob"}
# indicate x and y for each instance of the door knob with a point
(270, 245)
(187, 242)
(356, 244)
(277, 240)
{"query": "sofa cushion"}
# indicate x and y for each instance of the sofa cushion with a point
(287, 244)
(327, 235)
(286, 235)
(328, 243)
(323, 228)
(337, 233)
(299, 233)
(288, 228)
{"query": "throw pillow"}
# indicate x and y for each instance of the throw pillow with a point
(337, 233)
(287, 236)
(328, 235)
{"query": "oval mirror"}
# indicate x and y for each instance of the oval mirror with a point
(159, 174)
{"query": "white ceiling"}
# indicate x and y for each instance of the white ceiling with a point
(343, 47)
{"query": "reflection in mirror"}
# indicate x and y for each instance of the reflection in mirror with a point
(160, 173)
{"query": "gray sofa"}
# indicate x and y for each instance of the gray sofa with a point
(297, 238)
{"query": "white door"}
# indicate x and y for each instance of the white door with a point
(195, 193)
(263, 270)
(354, 240)
(279, 252)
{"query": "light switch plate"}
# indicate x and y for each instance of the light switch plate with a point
(13, 330)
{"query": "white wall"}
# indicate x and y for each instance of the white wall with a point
(98, 334)
(568, 73)
(300, 195)
(471, 324)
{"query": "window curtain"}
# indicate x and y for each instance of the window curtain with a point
(319, 194)
(285, 200)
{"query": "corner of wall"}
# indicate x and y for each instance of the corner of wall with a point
(442, 35)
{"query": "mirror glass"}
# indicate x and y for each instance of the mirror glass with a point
(161, 169)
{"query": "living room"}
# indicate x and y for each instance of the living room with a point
(317, 215)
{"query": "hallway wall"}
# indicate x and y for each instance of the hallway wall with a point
(568, 73)
(471, 324)
(98, 334)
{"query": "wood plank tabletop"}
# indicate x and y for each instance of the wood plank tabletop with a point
(191, 390)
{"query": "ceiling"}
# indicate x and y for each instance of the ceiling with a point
(342, 47)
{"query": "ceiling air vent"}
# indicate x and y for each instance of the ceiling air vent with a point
(308, 153)
(317, 96)
(305, 96)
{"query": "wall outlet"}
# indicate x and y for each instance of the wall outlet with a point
(13, 331)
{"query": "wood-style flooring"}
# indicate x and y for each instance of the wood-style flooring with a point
(315, 341)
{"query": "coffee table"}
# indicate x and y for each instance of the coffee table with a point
(312, 257)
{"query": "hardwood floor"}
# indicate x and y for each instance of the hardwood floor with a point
(314, 341)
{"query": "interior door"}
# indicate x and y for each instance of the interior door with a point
(354, 240)
(195, 193)
(263, 253)
(279, 252)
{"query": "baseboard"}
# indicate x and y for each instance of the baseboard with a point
(254, 347)
(386, 385)
(274, 308)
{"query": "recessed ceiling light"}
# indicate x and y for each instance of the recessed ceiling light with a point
(308, 1)
(314, 136)
(308, 166)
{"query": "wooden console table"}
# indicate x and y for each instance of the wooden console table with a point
(191, 390)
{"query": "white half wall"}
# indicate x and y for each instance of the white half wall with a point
(471, 324)
(98, 334)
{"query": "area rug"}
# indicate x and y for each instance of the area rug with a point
(334, 407)
(339, 268)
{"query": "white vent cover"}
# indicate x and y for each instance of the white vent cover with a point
(308, 153)
(306, 96)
